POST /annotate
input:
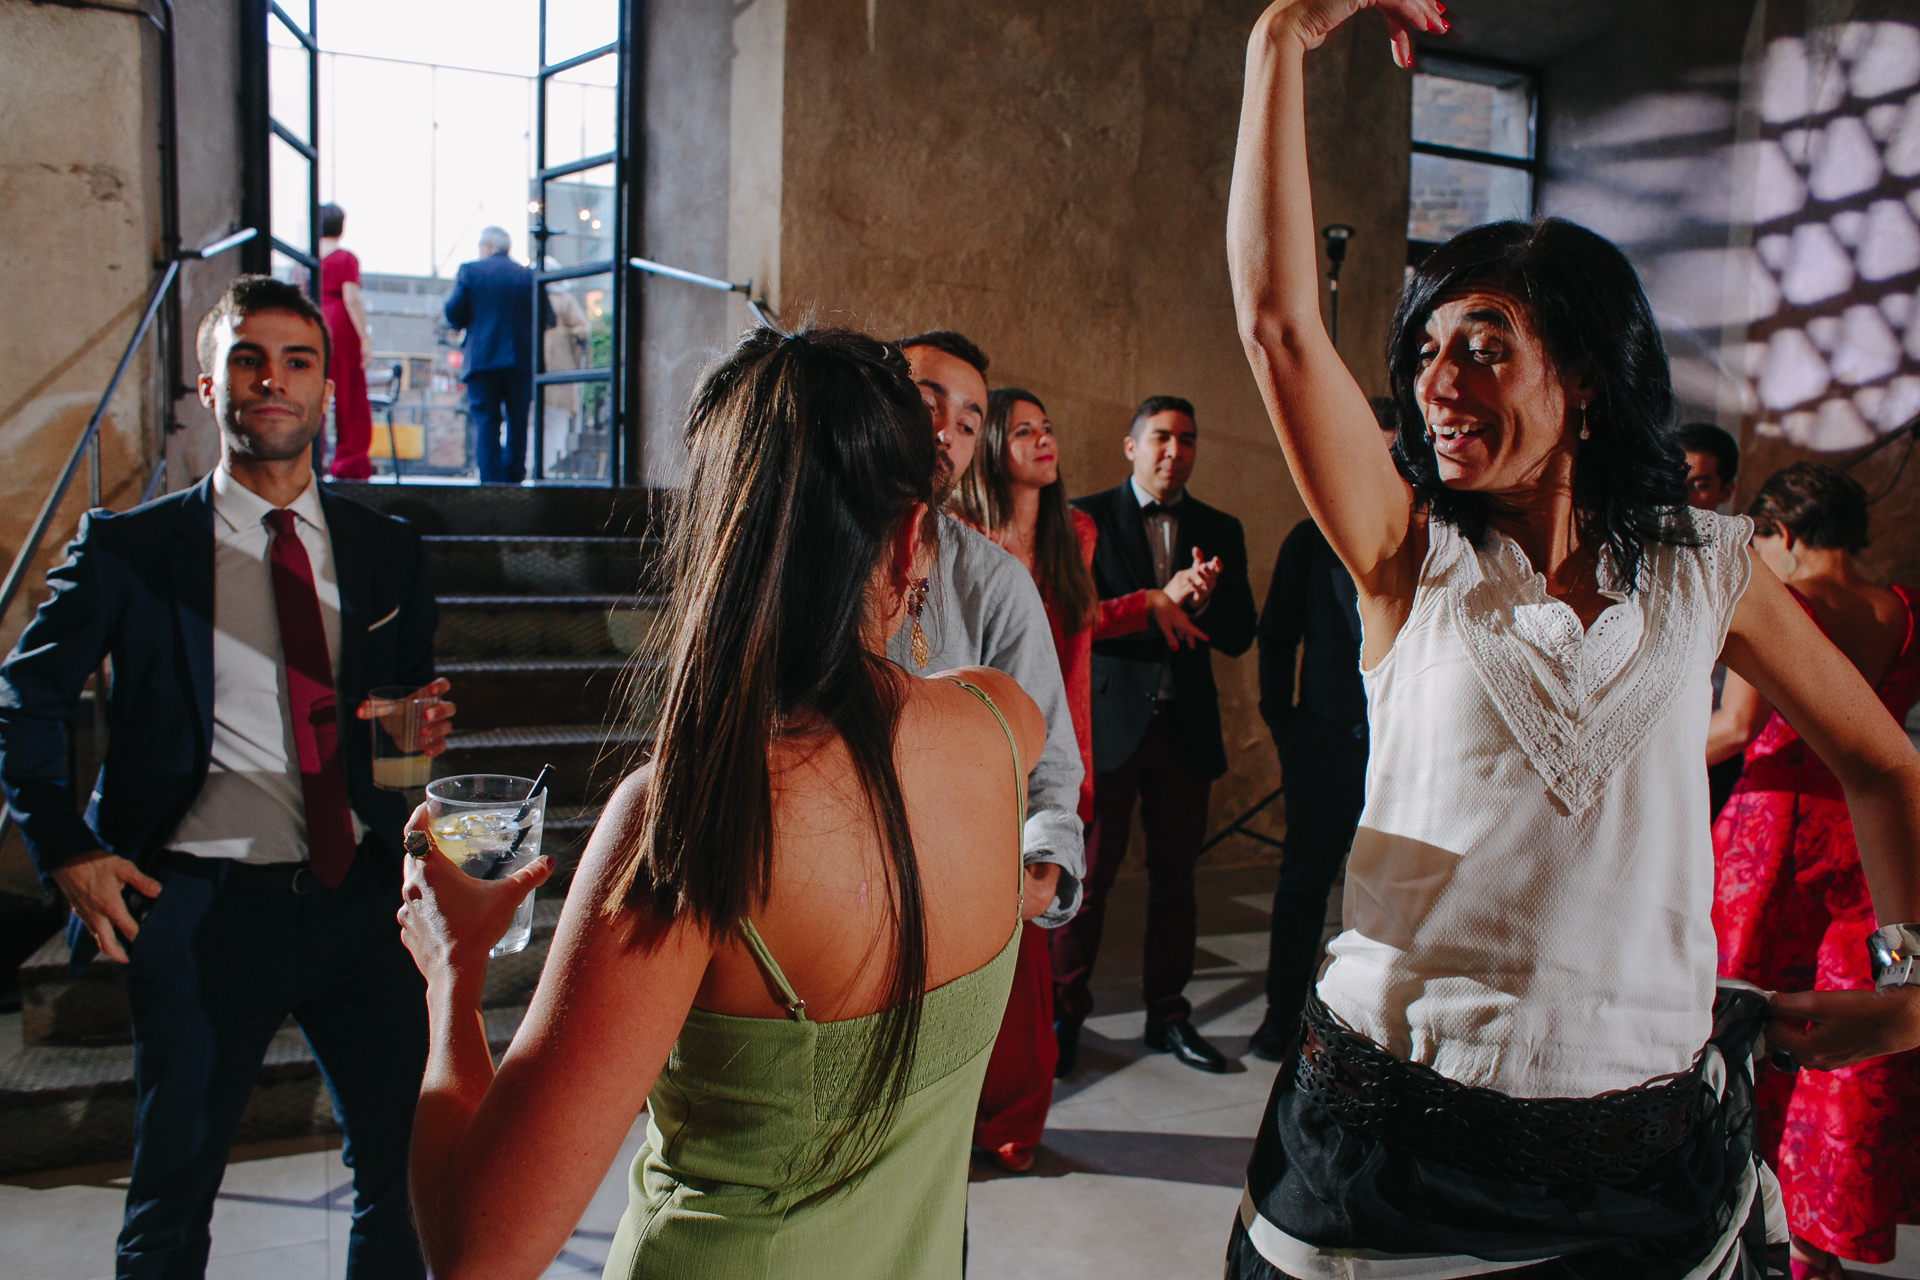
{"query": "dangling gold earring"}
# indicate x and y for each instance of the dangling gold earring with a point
(916, 604)
(1584, 433)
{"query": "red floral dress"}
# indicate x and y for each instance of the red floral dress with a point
(1791, 912)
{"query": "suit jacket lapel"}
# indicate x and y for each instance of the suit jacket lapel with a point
(348, 572)
(1130, 529)
(192, 560)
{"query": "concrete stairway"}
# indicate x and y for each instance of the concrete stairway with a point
(545, 595)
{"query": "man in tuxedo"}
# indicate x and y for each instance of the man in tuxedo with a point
(1156, 719)
(492, 300)
(234, 852)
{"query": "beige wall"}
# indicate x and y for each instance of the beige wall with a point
(77, 238)
(1052, 180)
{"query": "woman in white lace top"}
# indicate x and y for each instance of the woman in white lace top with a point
(1528, 913)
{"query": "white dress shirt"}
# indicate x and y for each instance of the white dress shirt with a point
(252, 808)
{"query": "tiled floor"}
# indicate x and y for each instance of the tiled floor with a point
(1139, 1175)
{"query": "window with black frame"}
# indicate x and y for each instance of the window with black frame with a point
(1475, 147)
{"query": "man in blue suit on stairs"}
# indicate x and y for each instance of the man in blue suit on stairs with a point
(492, 300)
(234, 853)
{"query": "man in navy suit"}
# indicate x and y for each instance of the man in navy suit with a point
(234, 852)
(492, 300)
(1156, 719)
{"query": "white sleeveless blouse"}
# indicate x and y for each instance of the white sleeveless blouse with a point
(1528, 901)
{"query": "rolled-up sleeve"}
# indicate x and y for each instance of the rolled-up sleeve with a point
(1016, 639)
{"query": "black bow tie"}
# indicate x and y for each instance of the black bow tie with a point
(1159, 509)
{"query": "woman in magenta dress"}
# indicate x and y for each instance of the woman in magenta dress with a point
(346, 319)
(1791, 901)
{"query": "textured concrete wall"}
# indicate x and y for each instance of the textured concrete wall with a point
(1052, 180)
(78, 233)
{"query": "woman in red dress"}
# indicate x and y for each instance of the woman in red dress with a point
(1790, 900)
(1014, 494)
(346, 317)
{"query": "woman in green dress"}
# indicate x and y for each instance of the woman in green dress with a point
(792, 933)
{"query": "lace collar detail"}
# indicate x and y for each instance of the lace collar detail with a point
(1578, 701)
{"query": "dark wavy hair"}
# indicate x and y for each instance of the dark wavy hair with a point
(1823, 507)
(805, 453)
(1585, 303)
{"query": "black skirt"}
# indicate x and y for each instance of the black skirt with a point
(1360, 1150)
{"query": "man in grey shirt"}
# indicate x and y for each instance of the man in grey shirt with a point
(984, 611)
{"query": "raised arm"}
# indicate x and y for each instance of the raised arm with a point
(503, 1165)
(1776, 648)
(1326, 428)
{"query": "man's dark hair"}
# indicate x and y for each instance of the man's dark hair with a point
(1822, 507)
(248, 294)
(957, 345)
(333, 220)
(1704, 437)
(1584, 301)
(1159, 404)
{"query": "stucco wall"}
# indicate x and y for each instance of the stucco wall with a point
(1052, 180)
(77, 236)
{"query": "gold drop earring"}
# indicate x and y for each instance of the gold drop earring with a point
(1584, 433)
(916, 605)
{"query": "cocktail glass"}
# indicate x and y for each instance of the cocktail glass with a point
(478, 821)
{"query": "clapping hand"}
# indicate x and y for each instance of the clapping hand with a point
(1191, 587)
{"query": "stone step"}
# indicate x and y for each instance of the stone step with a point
(587, 759)
(89, 1010)
(503, 693)
(544, 566)
(63, 1106)
(540, 510)
(529, 626)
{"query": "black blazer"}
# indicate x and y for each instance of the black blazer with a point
(138, 588)
(1126, 671)
(1312, 599)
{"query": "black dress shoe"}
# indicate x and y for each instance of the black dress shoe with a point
(1274, 1038)
(1067, 1036)
(1183, 1042)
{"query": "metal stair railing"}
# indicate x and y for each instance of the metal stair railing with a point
(88, 447)
(89, 441)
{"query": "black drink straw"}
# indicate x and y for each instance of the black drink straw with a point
(501, 860)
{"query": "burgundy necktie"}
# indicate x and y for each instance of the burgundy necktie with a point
(316, 734)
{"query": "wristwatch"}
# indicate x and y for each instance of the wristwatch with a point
(1891, 953)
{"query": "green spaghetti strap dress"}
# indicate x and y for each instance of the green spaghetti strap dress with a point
(743, 1103)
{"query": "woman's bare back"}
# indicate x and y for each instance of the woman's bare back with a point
(1867, 623)
(829, 920)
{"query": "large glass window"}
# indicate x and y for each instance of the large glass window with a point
(1474, 147)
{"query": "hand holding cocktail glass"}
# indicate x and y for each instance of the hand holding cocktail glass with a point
(409, 729)
(450, 920)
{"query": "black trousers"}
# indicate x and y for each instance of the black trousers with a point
(216, 970)
(493, 394)
(1323, 770)
(1173, 814)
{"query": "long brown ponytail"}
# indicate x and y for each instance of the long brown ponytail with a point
(804, 455)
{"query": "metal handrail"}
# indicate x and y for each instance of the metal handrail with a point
(23, 559)
(757, 306)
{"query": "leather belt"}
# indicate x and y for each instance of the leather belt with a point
(270, 877)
